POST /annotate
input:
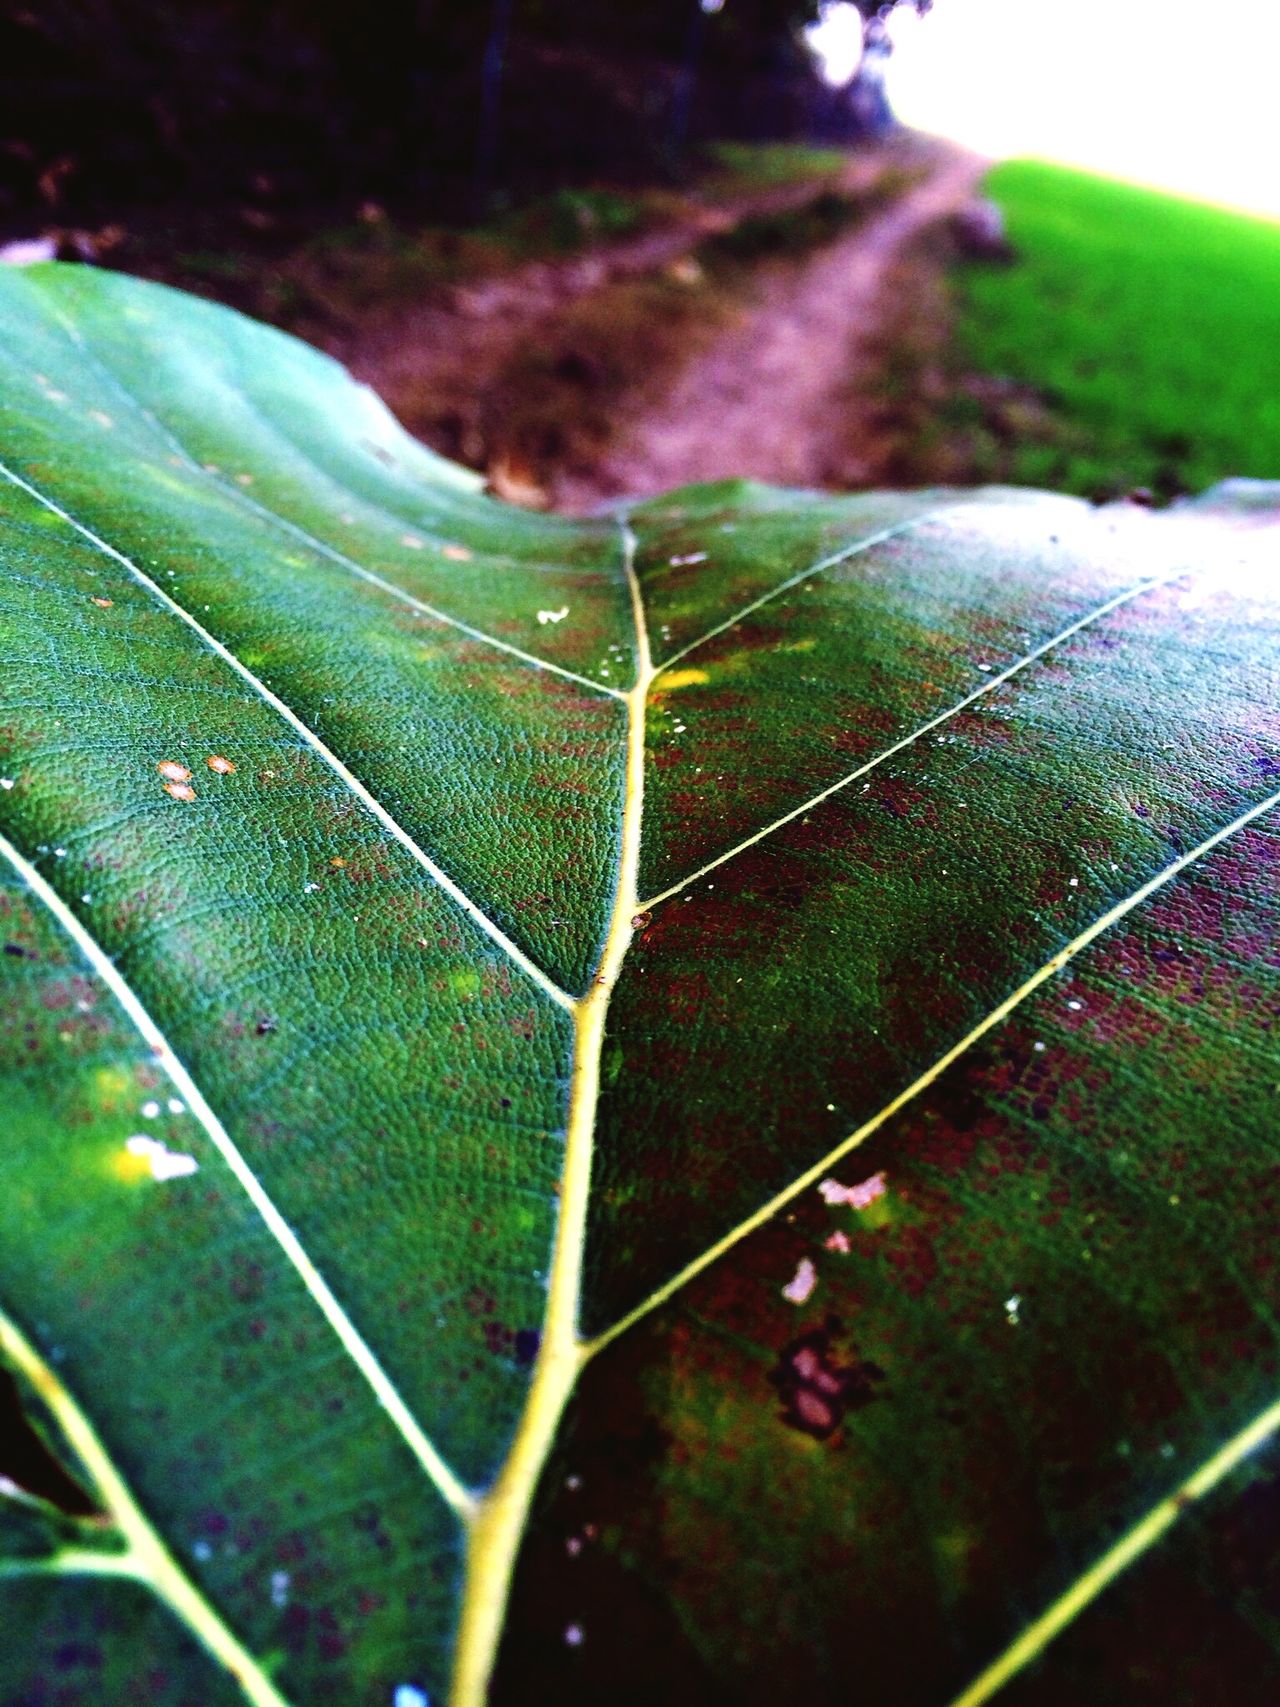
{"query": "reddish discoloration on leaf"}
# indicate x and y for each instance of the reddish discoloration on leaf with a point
(817, 1390)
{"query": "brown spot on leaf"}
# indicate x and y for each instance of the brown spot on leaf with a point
(817, 1390)
(104, 604)
(216, 763)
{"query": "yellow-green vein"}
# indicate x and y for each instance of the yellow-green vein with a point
(317, 1287)
(1130, 1547)
(995, 1017)
(495, 1529)
(145, 1558)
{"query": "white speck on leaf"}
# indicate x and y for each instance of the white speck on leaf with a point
(688, 559)
(6, 782)
(839, 1241)
(165, 1164)
(800, 1289)
(546, 616)
(574, 1635)
(1012, 1305)
(409, 1695)
(177, 1106)
(150, 1110)
(860, 1196)
(279, 1588)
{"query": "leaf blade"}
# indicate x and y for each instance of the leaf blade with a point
(392, 922)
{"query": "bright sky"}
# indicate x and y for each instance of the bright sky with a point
(1175, 93)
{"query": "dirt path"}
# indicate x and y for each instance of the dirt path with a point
(772, 394)
(761, 403)
(435, 363)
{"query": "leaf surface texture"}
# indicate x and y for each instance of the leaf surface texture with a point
(794, 978)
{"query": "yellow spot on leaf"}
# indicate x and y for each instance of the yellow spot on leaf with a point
(130, 1167)
(680, 679)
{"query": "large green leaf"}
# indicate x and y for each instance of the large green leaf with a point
(793, 980)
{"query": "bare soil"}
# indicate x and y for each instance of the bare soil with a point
(642, 374)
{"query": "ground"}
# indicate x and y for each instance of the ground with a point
(738, 343)
(798, 315)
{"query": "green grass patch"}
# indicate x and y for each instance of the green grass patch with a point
(1145, 330)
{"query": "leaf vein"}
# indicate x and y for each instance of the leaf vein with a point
(988, 1023)
(987, 686)
(313, 741)
(1125, 1552)
(146, 1559)
(353, 1343)
(246, 501)
(832, 561)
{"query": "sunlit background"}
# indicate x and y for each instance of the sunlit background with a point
(1171, 93)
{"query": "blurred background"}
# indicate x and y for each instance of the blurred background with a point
(599, 250)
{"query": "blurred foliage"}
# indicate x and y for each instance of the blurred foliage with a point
(115, 104)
